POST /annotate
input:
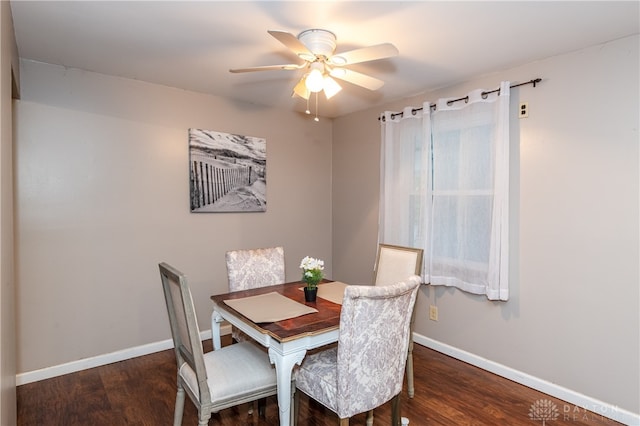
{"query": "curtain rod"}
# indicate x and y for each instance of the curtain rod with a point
(466, 98)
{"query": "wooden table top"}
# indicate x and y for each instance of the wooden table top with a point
(327, 318)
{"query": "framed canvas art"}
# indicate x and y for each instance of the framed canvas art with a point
(227, 172)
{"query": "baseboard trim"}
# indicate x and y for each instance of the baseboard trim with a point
(97, 361)
(579, 403)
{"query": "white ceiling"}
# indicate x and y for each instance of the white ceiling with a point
(192, 45)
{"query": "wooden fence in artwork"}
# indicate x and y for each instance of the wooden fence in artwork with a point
(210, 183)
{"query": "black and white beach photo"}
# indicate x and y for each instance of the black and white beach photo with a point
(227, 172)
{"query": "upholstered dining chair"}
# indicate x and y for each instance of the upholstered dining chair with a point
(219, 379)
(366, 368)
(396, 263)
(252, 268)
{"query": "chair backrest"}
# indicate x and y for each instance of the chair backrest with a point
(373, 344)
(254, 268)
(184, 326)
(396, 263)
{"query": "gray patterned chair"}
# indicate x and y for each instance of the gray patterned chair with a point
(233, 375)
(366, 368)
(393, 264)
(253, 268)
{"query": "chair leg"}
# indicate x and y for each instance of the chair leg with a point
(179, 410)
(203, 417)
(296, 408)
(262, 407)
(410, 388)
(395, 411)
(370, 418)
(344, 422)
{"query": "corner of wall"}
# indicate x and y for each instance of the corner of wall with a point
(9, 83)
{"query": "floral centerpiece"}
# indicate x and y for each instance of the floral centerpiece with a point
(311, 271)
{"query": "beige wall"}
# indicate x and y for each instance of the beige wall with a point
(573, 316)
(102, 196)
(8, 71)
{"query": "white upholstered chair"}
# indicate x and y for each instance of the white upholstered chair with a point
(396, 263)
(219, 379)
(253, 268)
(366, 368)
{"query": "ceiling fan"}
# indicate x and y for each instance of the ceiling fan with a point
(317, 48)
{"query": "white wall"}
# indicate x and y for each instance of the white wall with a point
(573, 316)
(102, 196)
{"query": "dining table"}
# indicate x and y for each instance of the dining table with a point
(278, 318)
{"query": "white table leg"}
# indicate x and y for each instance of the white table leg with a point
(284, 367)
(216, 319)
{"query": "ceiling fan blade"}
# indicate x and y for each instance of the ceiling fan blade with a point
(357, 78)
(287, 67)
(291, 42)
(371, 53)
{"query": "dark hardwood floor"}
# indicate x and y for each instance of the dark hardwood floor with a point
(141, 391)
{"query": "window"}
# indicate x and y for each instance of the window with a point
(444, 188)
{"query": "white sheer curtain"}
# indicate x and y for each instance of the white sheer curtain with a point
(445, 188)
(405, 190)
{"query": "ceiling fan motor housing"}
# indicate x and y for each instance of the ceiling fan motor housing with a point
(319, 42)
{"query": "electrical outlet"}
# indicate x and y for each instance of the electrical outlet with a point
(433, 313)
(523, 111)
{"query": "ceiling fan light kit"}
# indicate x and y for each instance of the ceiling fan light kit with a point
(315, 78)
(301, 89)
(316, 47)
(330, 86)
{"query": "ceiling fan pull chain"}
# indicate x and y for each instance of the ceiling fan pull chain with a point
(316, 119)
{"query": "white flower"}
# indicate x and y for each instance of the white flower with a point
(311, 271)
(310, 263)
